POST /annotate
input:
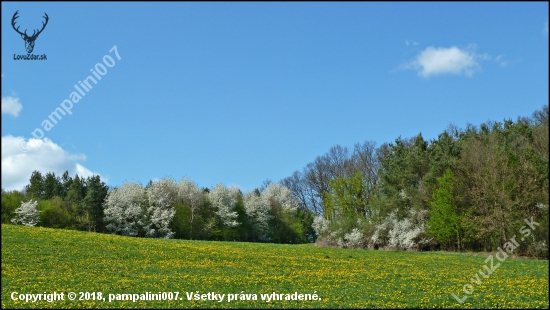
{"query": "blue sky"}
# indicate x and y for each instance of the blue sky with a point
(243, 92)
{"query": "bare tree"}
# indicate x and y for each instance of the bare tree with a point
(295, 183)
(365, 159)
(337, 158)
(317, 177)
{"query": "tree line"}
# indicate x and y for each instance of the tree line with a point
(163, 208)
(63, 202)
(469, 189)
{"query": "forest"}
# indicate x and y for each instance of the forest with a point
(470, 189)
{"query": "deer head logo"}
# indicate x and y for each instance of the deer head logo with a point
(29, 40)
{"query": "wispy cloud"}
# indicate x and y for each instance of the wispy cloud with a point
(502, 63)
(45, 156)
(441, 60)
(11, 105)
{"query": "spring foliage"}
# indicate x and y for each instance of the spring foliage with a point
(27, 214)
(469, 189)
(124, 211)
(160, 211)
(224, 201)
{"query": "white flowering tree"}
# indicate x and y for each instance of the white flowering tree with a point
(272, 213)
(260, 208)
(406, 234)
(160, 212)
(27, 214)
(320, 225)
(354, 239)
(124, 209)
(257, 208)
(224, 202)
(278, 194)
(191, 195)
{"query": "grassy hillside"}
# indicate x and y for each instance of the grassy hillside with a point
(41, 260)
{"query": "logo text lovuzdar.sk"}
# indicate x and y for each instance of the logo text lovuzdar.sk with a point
(29, 39)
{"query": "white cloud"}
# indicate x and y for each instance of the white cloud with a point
(43, 155)
(11, 105)
(441, 60)
(83, 171)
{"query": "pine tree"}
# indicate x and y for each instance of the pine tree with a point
(35, 188)
(96, 192)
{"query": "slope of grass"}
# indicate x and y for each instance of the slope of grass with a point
(42, 260)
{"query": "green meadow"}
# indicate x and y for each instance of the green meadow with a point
(36, 262)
